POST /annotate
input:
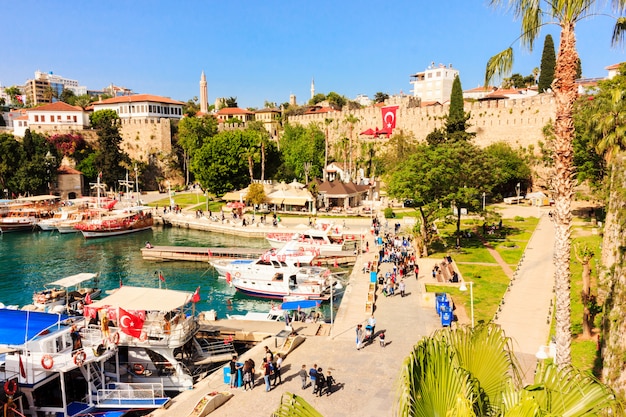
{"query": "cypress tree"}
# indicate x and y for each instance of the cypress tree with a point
(457, 112)
(548, 62)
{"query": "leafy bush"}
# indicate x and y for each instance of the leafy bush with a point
(389, 214)
(519, 219)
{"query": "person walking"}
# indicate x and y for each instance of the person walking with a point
(381, 338)
(359, 336)
(266, 374)
(329, 383)
(303, 376)
(247, 375)
(320, 382)
(313, 374)
(279, 361)
(233, 372)
(402, 288)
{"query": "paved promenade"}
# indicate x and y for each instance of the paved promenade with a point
(367, 378)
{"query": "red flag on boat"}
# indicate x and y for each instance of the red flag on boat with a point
(88, 298)
(228, 277)
(161, 277)
(130, 323)
(196, 296)
(120, 282)
(336, 264)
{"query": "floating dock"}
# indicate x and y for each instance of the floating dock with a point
(205, 254)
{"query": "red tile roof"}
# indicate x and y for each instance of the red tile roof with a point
(233, 110)
(318, 110)
(21, 118)
(67, 170)
(58, 106)
(134, 98)
(614, 66)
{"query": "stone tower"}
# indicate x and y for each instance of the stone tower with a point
(312, 87)
(292, 100)
(204, 96)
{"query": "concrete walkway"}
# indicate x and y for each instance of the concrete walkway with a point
(526, 308)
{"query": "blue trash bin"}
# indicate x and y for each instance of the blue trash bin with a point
(446, 318)
(239, 375)
(373, 276)
(227, 374)
(444, 306)
(440, 297)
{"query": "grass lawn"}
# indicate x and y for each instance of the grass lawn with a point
(490, 284)
(188, 200)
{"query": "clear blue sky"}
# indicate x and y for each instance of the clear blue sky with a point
(267, 50)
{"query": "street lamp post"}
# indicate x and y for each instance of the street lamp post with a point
(517, 190)
(463, 287)
(484, 195)
(137, 182)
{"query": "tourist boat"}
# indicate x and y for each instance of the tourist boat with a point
(310, 282)
(25, 213)
(64, 294)
(50, 224)
(324, 239)
(299, 309)
(60, 366)
(117, 222)
(161, 342)
(69, 225)
(289, 257)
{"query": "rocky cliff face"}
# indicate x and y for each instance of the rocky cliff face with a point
(613, 282)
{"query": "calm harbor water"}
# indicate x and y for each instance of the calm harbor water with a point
(30, 260)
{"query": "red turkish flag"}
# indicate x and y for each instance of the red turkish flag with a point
(389, 117)
(196, 296)
(130, 324)
(88, 298)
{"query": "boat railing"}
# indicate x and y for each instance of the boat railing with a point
(158, 333)
(119, 393)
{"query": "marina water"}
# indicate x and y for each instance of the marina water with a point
(30, 260)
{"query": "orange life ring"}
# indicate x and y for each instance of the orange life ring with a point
(237, 274)
(10, 387)
(79, 358)
(115, 338)
(138, 368)
(47, 362)
(301, 249)
(143, 336)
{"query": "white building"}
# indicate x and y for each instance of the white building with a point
(57, 116)
(363, 100)
(142, 106)
(434, 84)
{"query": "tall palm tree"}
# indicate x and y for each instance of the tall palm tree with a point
(473, 372)
(351, 120)
(327, 122)
(566, 13)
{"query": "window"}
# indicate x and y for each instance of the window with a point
(43, 118)
(58, 117)
(36, 118)
(68, 117)
(74, 119)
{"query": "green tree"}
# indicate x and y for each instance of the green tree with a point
(219, 164)
(231, 102)
(508, 168)
(192, 133)
(317, 98)
(68, 96)
(109, 159)
(548, 62)
(13, 92)
(82, 101)
(380, 97)
(300, 145)
(336, 100)
(37, 166)
(192, 107)
(565, 13)
(473, 372)
(256, 194)
(11, 156)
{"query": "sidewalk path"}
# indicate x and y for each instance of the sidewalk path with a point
(526, 307)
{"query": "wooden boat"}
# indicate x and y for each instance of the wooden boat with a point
(24, 213)
(324, 240)
(117, 222)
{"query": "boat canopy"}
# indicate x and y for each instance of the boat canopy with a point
(141, 298)
(19, 326)
(74, 280)
(300, 304)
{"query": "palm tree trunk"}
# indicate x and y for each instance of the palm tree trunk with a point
(262, 161)
(325, 154)
(565, 93)
(251, 168)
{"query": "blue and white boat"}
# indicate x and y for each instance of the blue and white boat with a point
(55, 365)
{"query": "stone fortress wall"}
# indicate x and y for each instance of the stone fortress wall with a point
(518, 122)
(144, 136)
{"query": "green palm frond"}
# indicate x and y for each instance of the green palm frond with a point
(619, 32)
(571, 393)
(499, 65)
(292, 405)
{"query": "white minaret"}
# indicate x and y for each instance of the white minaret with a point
(312, 87)
(204, 96)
